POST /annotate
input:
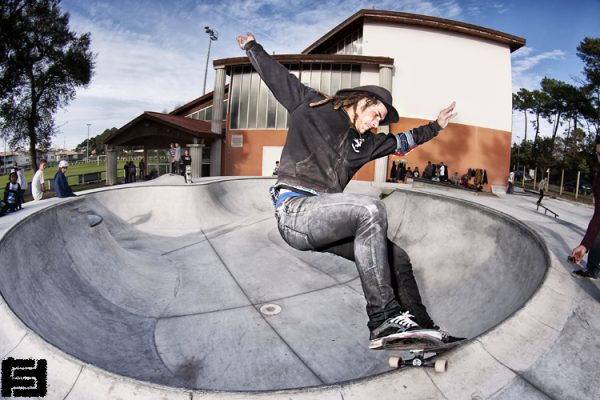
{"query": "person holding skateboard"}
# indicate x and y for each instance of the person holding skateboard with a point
(591, 239)
(329, 140)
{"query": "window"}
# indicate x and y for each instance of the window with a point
(205, 114)
(350, 44)
(253, 106)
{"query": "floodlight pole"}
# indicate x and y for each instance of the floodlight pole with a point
(212, 35)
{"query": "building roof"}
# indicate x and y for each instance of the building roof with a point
(192, 127)
(401, 18)
(310, 58)
(197, 103)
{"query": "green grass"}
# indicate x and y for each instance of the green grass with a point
(73, 173)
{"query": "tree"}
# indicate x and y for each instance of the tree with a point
(42, 63)
(589, 52)
(522, 101)
(97, 142)
(556, 92)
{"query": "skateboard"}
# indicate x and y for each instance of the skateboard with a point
(424, 351)
(188, 174)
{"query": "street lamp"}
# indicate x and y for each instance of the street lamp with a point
(213, 35)
(87, 145)
(518, 148)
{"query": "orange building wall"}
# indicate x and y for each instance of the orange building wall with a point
(460, 147)
(247, 160)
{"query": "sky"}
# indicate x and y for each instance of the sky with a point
(151, 55)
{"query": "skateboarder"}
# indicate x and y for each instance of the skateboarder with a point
(329, 139)
(186, 161)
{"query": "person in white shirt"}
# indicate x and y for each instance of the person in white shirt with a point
(37, 183)
(511, 181)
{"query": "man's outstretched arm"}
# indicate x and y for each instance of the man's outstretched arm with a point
(286, 87)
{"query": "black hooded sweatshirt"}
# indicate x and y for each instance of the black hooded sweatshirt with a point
(323, 150)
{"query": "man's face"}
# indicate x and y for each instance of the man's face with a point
(43, 166)
(598, 153)
(369, 117)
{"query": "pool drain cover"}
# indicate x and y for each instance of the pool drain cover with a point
(270, 309)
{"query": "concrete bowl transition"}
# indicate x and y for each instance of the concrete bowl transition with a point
(169, 287)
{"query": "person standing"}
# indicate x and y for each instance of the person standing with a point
(177, 159)
(142, 168)
(542, 188)
(38, 186)
(12, 193)
(511, 181)
(186, 162)
(61, 184)
(591, 240)
(172, 156)
(443, 172)
(329, 139)
(22, 182)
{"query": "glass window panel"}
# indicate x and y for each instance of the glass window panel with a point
(224, 113)
(253, 100)
(346, 80)
(235, 98)
(315, 77)
(326, 79)
(282, 113)
(336, 78)
(355, 76)
(244, 95)
(305, 76)
(261, 112)
(208, 113)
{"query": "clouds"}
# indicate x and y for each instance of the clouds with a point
(151, 54)
(524, 62)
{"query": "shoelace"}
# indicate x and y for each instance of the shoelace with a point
(404, 319)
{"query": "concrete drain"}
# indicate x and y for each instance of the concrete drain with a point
(270, 309)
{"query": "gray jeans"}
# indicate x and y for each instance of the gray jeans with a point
(355, 227)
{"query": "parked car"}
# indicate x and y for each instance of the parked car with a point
(584, 187)
(519, 177)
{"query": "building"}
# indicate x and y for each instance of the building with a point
(426, 62)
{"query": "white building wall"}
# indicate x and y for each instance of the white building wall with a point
(434, 67)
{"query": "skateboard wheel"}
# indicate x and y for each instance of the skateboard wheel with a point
(440, 365)
(395, 362)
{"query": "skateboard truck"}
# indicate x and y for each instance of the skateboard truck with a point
(418, 360)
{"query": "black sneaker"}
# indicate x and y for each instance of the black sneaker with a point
(398, 327)
(446, 337)
(583, 274)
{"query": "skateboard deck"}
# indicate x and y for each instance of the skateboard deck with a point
(424, 351)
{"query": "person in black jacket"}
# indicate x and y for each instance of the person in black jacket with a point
(328, 141)
(12, 194)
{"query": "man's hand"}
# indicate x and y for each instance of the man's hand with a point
(578, 253)
(446, 115)
(244, 40)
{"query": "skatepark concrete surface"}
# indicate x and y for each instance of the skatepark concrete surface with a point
(162, 290)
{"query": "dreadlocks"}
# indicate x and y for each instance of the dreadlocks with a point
(350, 100)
